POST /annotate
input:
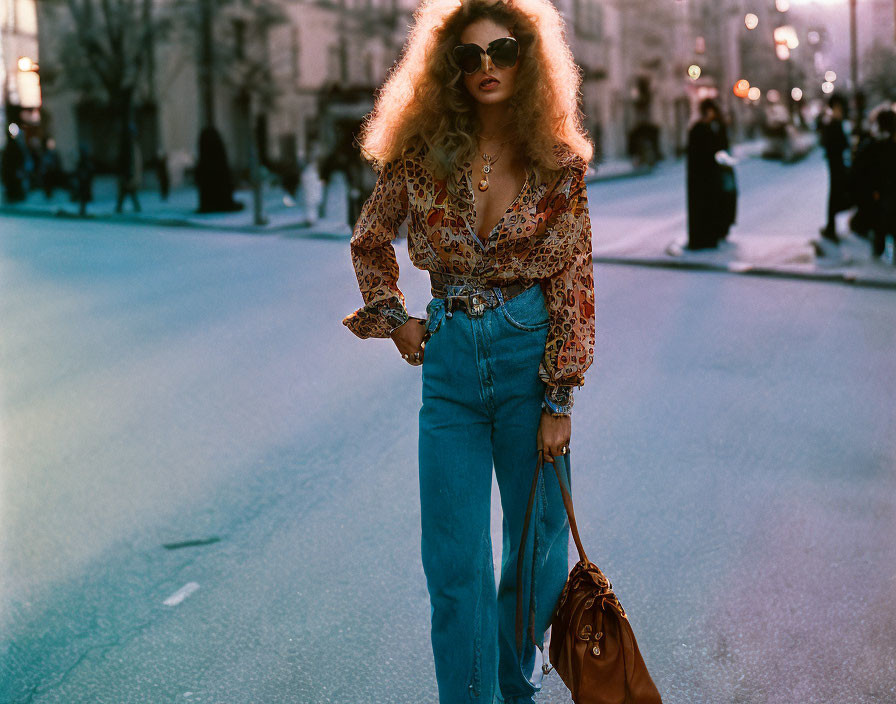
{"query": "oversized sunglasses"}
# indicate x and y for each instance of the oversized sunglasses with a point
(503, 53)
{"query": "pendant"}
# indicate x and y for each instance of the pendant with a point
(483, 185)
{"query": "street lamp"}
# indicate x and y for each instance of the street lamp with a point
(26, 63)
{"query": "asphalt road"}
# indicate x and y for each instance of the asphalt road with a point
(209, 487)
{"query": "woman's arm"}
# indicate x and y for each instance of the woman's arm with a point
(569, 292)
(373, 256)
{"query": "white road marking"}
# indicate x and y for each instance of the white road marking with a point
(181, 594)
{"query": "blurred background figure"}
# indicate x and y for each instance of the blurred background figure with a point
(712, 189)
(83, 179)
(312, 188)
(880, 166)
(51, 168)
(835, 142)
(213, 177)
(290, 174)
(130, 169)
(12, 167)
(163, 175)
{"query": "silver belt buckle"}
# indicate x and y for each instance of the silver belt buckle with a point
(475, 304)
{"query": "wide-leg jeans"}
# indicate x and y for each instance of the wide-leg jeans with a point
(482, 407)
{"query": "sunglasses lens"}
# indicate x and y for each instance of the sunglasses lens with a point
(468, 58)
(504, 52)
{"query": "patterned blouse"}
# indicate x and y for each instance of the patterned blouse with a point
(545, 234)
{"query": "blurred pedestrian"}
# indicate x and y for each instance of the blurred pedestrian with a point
(51, 167)
(36, 154)
(213, 177)
(712, 190)
(163, 175)
(837, 152)
(290, 174)
(312, 188)
(83, 181)
(883, 182)
(130, 168)
(12, 167)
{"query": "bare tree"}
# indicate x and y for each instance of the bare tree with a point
(106, 54)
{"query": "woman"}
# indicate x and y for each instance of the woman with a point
(711, 191)
(477, 139)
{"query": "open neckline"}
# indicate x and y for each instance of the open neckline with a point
(468, 175)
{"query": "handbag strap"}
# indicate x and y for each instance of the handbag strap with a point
(570, 513)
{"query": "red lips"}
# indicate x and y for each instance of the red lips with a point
(488, 79)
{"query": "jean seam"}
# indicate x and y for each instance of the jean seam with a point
(476, 670)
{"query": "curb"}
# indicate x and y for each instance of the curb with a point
(841, 277)
(634, 173)
(135, 219)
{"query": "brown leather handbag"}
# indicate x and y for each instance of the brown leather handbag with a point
(593, 647)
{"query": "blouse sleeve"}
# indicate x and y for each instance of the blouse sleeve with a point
(373, 256)
(569, 292)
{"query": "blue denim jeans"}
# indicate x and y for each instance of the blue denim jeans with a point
(482, 406)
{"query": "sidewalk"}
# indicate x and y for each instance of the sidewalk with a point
(178, 211)
(785, 246)
(812, 258)
(280, 211)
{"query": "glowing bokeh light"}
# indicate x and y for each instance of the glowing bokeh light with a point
(742, 88)
(782, 5)
(830, 76)
(754, 93)
(782, 51)
(751, 21)
(773, 96)
(813, 37)
(694, 71)
(796, 94)
(827, 87)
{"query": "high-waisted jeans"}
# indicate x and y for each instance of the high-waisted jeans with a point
(482, 405)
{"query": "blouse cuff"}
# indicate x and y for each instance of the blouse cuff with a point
(377, 319)
(558, 399)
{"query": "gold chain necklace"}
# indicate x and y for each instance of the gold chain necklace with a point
(487, 166)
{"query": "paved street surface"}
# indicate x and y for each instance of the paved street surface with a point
(209, 486)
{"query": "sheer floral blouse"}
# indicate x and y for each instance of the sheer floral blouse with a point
(545, 234)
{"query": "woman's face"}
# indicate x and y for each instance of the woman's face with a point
(482, 32)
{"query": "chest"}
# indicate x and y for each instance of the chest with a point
(490, 206)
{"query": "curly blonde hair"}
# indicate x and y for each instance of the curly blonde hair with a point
(424, 100)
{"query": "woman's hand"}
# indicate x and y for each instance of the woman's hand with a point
(553, 435)
(408, 338)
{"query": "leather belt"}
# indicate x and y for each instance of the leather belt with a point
(471, 296)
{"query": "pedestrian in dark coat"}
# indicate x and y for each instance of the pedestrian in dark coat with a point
(163, 175)
(213, 177)
(836, 150)
(130, 167)
(711, 190)
(83, 181)
(883, 181)
(12, 169)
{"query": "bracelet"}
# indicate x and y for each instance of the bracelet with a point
(399, 317)
(558, 400)
(545, 406)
